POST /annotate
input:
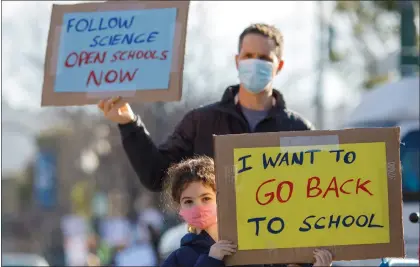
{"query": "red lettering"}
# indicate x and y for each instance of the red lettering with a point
(111, 76)
(122, 55)
(99, 57)
(270, 194)
(126, 55)
(309, 188)
(92, 75)
(280, 187)
(127, 75)
(150, 55)
(332, 187)
(164, 55)
(139, 54)
(74, 56)
(342, 186)
(362, 186)
(115, 56)
(131, 54)
(84, 58)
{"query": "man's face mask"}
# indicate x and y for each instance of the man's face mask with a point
(255, 74)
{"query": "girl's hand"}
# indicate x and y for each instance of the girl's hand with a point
(322, 257)
(221, 249)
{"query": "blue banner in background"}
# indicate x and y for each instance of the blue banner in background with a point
(45, 179)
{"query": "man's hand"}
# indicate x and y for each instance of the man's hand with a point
(221, 249)
(322, 257)
(116, 110)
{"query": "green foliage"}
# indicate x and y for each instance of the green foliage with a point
(418, 42)
(344, 6)
(389, 5)
(25, 189)
(335, 56)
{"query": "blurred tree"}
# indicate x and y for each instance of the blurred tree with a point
(375, 28)
(26, 188)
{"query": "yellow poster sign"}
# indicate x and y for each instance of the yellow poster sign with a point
(292, 197)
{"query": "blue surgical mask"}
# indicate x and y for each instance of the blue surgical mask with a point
(255, 74)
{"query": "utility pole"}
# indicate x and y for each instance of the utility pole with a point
(319, 86)
(409, 59)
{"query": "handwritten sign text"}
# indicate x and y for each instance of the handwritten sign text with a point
(115, 50)
(311, 196)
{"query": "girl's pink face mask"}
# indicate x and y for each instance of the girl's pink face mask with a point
(202, 216)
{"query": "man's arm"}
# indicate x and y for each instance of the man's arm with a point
(151, 162)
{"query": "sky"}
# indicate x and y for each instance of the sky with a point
(24, 39)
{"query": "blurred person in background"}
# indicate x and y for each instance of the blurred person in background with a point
(55, 254)
(139, 251)
(93, 260)
(151, 218)
(99, 248)
(251, 106)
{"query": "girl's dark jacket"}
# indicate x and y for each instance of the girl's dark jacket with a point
(194, 135)
(194, 252)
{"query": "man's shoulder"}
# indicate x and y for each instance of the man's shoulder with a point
(205, 110)
(298, 121)
(215, 106)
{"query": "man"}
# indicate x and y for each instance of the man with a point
(252, 106)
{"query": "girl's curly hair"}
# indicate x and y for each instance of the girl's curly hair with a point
(182, 174)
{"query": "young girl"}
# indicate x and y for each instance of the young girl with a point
(191, 187)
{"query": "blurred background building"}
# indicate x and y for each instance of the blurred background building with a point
(68, 190)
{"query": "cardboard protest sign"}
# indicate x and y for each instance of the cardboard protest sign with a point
(133, 49)
(281, 195)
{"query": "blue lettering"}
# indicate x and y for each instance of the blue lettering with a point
(113, 22)
(364, 223)
(371, 225)
(270, 161)
(125, 23)
(102, 24)
(275, 219)
(139, 39)
(337, 222)
(346, 223)
(296, 159)
(152, 37)
(308, 226)
(285, 158)
(317, 226)
(128, 39)
(312, 154)
(91, 28)
(116, 39)
(83, 27)
(69, 24)
(95, 41)
(102, 42)
(257, 223)
(348, 159)
(337, 156)
(244, 167)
